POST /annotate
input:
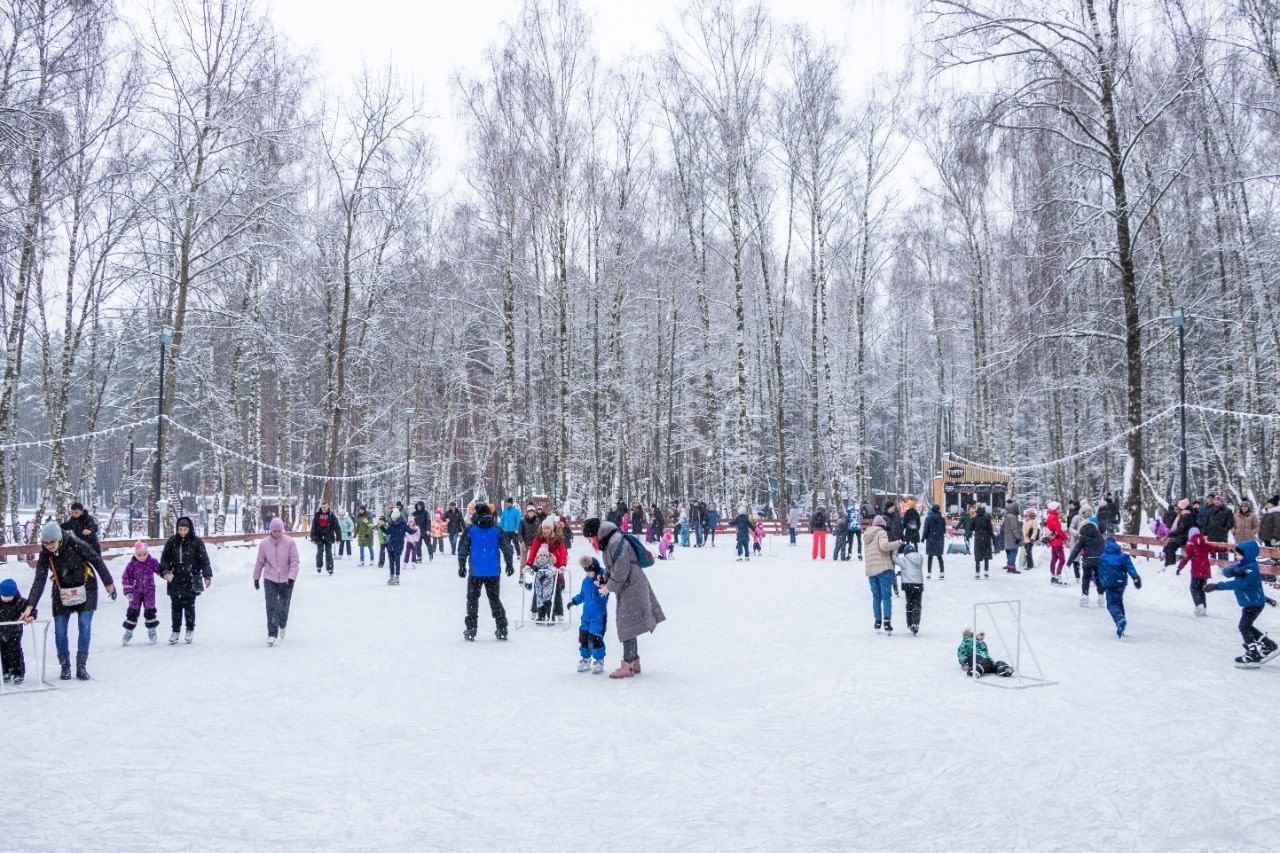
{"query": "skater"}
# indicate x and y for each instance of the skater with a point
(13, 663)
(1011, 530)
(1073, 533)
(439, 528)
(412, 543)
(185, 566)
(547, 557)
(966, 525)
(637, 610)
(793, 521)
(453, 526)
(853, 528)
(324, 531)
(1108, 515)
(892, 520)
(713, 522)
(911, 523)
(909, 567)
(842, 538)
(1089, 545)
(83, 525)
(1114, 570)
(1269, 528)
(74, 569)
(595, 617)
(1246, 582)
(277, 566)
(480, 547)
(975, 657)
(1197, 554)
(1183, 522)
(1057, 541)
(818, 527)
(666, 545)
(637, 520)
(346, 532)
(879, 570)
(395, 532)
(421, 519)
(1031, 535)
(139, 583)
(742, 523)
(757, 536)
(511, 531)
(698, 521)
(984, 535)
(934, 533)
(364, 536)
(380, 530)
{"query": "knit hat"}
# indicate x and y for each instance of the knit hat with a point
(878, 521)
(1195, 531)
(50, 531)
(140, 548)
(395, 515)
(1053, 505)
(1184, 503)
(277, 523)
(9, 588)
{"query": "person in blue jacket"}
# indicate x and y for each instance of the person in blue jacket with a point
(595, 617)
(742, 522)
(509, 524)
(480, 544)
(396, 529)
(853, 523)
(1246, 582)
(712, 516)
(1114, 570)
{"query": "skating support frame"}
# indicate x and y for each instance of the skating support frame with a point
(42, 679)
(1018, 680)
(524, 602)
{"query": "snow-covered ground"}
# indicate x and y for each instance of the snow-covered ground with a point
(769, 717)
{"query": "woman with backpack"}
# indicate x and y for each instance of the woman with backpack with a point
(637, 610)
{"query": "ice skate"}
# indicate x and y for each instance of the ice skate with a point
(173, 638)
(151, 636)
(191, 635)
(282, 635)
(500, 633)
(877, 625)
(986, 576)
(915, 629)
(391, 581)
(623, 671)
(888, 628)
(271, 641)
(1200, 610)
(469, 635)
(1120, 628)
(1268, 648)
(18, 679)
(128, 635)
(584, 665)
(597, 667)
(1252, 657)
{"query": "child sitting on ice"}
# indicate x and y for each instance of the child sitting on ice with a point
(139, 583)
(975, 658)
(595, 617)
(757, 536)
(12, 661)
(666, 546)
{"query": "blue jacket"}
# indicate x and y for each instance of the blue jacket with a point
(396, 531)
(480, 543)
(509, 521)
(1246, 578)
(934, 533)
(595, 610)
(713, 519)
(743, 523)
(1114, 567)
(853, 518)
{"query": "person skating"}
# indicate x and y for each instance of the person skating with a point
(984, 535)
(793, 522)
(83, 525)
(453, 526)
(1108, 515)
(757, 536)
(421, 518)
(911, 523)
(911, 570)
(934, 533)
(547, 557)
(1245, 580)
(879, 570)
(595, 617)
(892, 520)
(1082, 516)
(853, 528)
(139, 584)
(480, 546)
(712, 516)
(1011, 530)
(324, 532)
(1269, 527)
(439, 530)
(186, 569)
(742, 524)
(346, 532)
(1114, 570)
(1057, 541)
(74, 569)
(1197, 553)
(277, 567)
(412, 544)
(396, 531)
(1031, 535)
(13, 663)
(364, 536)
(842, 537)
(380, 530)
(637, 610)
(975, 657)
(818, 528)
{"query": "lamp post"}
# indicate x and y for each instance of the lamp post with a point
(166, 338)
(1179, 320)
(408, 434)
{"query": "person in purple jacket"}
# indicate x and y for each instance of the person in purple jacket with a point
(277, 565)
(139, 583)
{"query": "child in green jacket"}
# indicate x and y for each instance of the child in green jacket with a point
(979, 664)
(364, 535)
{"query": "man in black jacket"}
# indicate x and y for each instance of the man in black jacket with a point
(1108, 515)
(422, 518)
(1089, 544)
(453, 518)
(324, 532)
(83, 525)
(1218, 520)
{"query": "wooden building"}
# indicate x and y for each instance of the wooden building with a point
(959, 484)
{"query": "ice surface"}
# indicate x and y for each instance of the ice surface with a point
(769, 717)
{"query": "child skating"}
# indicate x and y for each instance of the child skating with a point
(185, 565)
(742, 523)
(1114, 570)
(12, 604)
(910, 566)
(1197, 554)
(757, 536)
(139, 582)
(1246, 582)
(595, 617)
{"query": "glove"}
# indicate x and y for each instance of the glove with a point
(291, 583)
(113, 595)
(570, 605)
(256, 584)
(1178, 572)
(462, 573)
(510, 571)
(1137, 583)
(1210, 586)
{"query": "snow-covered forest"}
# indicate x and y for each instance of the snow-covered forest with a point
(713, 271)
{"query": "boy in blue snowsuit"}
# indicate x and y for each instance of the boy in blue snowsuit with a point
(595, 617)
(1114, 570)
(480, 544)
(1246, 582)
(743, 523)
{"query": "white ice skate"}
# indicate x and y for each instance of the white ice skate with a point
(597, 667)
(271, 641)
(128, 635)
(1101, 602)
(173, 638)
(584, 665)
(151, 636)
(1084, 601)
(191, 635)
(1200, 610)
(282, 635)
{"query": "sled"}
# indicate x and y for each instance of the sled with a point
(1019, 679)
(41, 681)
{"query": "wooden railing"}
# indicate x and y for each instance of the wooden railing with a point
(1152, 547)
(113, 547)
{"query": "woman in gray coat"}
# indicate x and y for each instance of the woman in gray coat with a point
(1012, 530)
(637, 610)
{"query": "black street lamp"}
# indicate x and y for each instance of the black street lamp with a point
(408, 434)
(1179, 320)
(166, 338)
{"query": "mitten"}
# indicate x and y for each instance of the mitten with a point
(510, 571)
(1137, 583)
(290, 583)
(113, 595)
(1178, 572)
(462, 573)
(1210, 586)
(256, 584)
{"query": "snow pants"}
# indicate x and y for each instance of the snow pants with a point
(1057, 560)
(1248, 615)
(1090, 576)
(324, 556)
(915, 602)
(590, 645)
(819, 544)
(854, 535)
(412, 552)
(279, 596)
(12, 661)
(490, 586)
(987, 666)
(842, 545)
(882, 594)
(742, 546)
(1197, 591)
(182, 607)
(1115, 604)
(131, 616)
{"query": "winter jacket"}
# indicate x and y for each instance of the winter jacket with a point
(187, 560)
(364, 532)
(1109, 512)
(1011, 527)
(1269, 529)
(743, 525)
(893, 522)
(637, 610)
(911, 526)
(1247, 526)
(324, 528)
(910, 564)
(421, 517)
(713, 519)
(528, 530)
(346, 527)
(1115, 568)
(479, 544)
(1182, 529)
(138, 581)
(818, 521)
(438, 527)
(559, 553)
(1057, 535)
(453, 520)
(1246, 577)
(637, 521)
(793, 517)
(934, 533)
(964, 652)
(510, 520)
(595, 609)
(984, 535)
(853, 519)
(1073, 528)
(414, 536)
(277, 559)
(1090, 544)
(11, 611)
(878, 550)
(76, 564)
(81, 524)
(396, 532)
(1218, 521)
(1197, 554)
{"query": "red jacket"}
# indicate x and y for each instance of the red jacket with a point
(1059, 536)
(559, 553)
(1197, 552)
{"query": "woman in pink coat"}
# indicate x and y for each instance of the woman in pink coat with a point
(277, 565)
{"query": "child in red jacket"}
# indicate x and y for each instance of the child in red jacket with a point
(1197, 553)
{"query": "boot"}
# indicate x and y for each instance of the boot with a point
(501, 632)
(65, 662)
(635, 666)
(597, 667)
(584, 665)
(1084, 601)
(1252, 656)
(623, 671)
(82, 658)
(469, 634)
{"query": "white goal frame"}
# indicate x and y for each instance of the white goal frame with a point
(42, 681)
(1018, 680)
